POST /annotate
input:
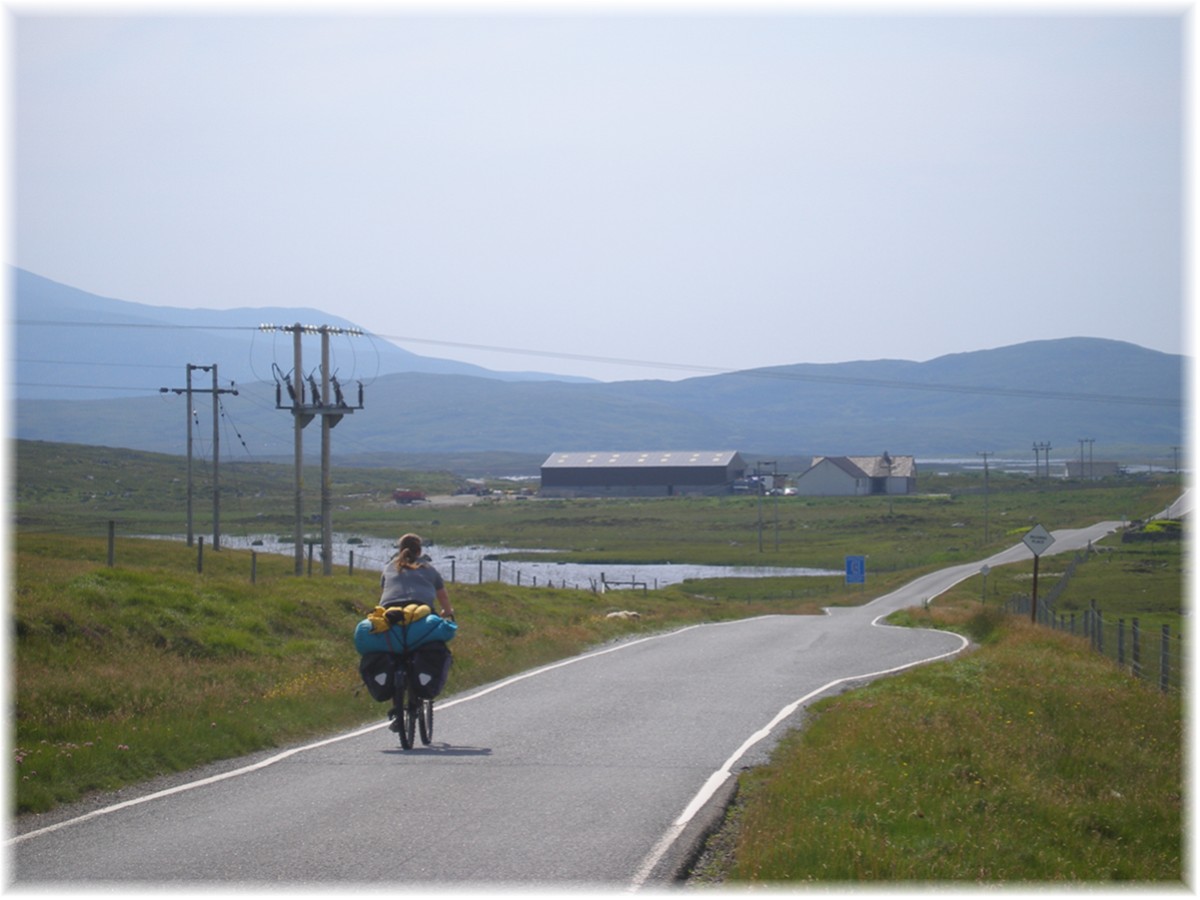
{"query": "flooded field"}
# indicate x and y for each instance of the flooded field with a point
(476, 564)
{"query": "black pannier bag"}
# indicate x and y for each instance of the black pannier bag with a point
(431, 664)
(378, 672)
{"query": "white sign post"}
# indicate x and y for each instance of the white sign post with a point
(1037, 539)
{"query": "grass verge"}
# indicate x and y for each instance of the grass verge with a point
(1031, 760)
(148, 668)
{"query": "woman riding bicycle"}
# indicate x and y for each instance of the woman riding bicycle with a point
(409, 578)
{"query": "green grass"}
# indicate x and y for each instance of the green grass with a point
(149, 667)
(1034, 759)
(997, 768)
(1124, 581)
(77, 490)
(1030, 760)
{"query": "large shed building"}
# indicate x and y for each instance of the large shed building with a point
(641, 473)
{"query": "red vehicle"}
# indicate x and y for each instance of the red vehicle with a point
(403, 496)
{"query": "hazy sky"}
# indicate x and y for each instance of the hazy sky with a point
(695, 187)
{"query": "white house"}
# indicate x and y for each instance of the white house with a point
(858, 476)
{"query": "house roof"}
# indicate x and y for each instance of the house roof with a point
(872, 466)
(628, 459)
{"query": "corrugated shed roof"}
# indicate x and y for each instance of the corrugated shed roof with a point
(632, 459)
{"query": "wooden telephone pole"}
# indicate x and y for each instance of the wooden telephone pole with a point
(305, 406)
(216, 445)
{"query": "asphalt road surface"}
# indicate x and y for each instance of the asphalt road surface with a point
(600, 771)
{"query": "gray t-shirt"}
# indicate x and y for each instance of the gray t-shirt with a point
(419, 585)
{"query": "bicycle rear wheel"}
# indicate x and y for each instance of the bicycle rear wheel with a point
(408, 726)
(405, 710)
(425, 721)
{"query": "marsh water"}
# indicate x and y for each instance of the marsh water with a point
(477, 563)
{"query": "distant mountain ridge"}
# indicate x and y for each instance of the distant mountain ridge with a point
(163, 340)
(1126, 399)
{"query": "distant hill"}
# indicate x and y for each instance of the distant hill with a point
(946, 407)
(1125, 398)
(66, 336)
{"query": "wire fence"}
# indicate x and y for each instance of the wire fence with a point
(1151, 654)
(1155, 655)
(352, 559)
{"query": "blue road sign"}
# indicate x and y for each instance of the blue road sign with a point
(856, 570)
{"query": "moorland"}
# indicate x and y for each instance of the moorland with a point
(129, 672)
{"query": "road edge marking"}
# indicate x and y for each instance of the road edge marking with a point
(723, 774)
(279, 757)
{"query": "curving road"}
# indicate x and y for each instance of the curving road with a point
(599, 771)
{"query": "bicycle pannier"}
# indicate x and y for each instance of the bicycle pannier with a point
(378, 672)
(431, 664)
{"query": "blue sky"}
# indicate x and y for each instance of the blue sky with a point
(688, 187)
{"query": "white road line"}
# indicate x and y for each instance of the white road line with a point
(703, 796)
(724, 773)
(279, 757)
(179, 789)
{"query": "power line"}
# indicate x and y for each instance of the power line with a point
(777, 373)
(90, 365)
(773, 372)
(165, 326)
(87, 387)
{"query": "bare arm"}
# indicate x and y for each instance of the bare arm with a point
(443, 598)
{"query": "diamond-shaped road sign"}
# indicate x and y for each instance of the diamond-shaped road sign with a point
(1038, 539)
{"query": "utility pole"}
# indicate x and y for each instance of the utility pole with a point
(1089, 471)
(774, 493)
(758, 486)
(1037, 448)
(986, 527)
(304, 409)
(216, 443)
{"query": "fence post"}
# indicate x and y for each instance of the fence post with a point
(112, 536)
(351, 572)
(253, 566)
(1072, 623)
(200, 553)
(1121, 643)
(1164, 666)
(1099, 632)
(1137, 649)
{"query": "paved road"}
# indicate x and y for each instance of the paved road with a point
(1181, 507)
(593, 772)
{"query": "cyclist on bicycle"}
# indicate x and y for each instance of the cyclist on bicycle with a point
(409, 578)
